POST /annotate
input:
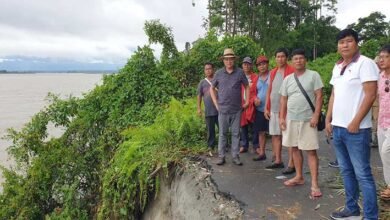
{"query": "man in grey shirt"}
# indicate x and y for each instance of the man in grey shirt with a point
(210, 112)
(271, 111)
(297, 120)
(228, 80)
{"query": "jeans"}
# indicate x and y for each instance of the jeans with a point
(211, 122)
(227, 121)
(244, 136)
(353, 154)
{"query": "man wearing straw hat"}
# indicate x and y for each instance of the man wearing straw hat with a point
(228, 81)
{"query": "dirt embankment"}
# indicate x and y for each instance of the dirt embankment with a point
(191, 194)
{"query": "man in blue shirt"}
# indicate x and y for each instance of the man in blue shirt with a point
(261, 123)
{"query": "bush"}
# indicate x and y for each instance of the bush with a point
(324, 66)
(130, 181)
(64, 174)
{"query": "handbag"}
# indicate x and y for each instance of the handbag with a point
(321, 119)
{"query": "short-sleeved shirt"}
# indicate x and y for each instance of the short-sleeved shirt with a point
(275, 96)
(262, 86)
(298, 108)
(229, 89)
(348, 90)
(384, 102)
(204, 91)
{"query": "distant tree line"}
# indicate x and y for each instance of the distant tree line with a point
(308, 24)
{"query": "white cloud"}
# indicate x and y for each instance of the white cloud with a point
(88, 30)
(349, 11)
(110, 30)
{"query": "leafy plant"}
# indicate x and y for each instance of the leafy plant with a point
(130, 181)
(53, 171)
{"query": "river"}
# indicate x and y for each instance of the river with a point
(23, 95)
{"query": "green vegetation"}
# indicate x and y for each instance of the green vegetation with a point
(131, 180)
(278, 23)
(66, 173)
(324, 66)
(117, 137)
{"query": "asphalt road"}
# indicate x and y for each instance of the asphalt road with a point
(263, 196)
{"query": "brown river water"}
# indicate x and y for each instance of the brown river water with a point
(23, 95)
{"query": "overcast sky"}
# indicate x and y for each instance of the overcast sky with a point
(109, 30)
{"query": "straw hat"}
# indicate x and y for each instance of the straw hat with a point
(228, 53)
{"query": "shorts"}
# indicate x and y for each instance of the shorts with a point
(261, 124)
(300, 134)
(274, 128)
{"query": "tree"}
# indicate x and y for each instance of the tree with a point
(373, 26)
(269, 22)
(316, 37)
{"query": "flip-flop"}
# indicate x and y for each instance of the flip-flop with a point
(292, 182)
(385, 194)
(384, 198)
(243, 150)
(315, 193)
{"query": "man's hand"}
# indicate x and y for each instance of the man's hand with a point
(314, 121)
(199, 112)
(266, 114)
(328, 129)
(257, 101)
(353, 127)
(282, 124)
(245, 105)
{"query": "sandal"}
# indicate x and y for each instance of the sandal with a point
(292, 182)
(288, 171)
(260, 157)
(243, 150)
(315, 193)
(385, 194)
(275, 166)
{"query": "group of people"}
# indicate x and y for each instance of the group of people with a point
(286, 103)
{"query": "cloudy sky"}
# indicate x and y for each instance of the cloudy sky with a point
(107, 31)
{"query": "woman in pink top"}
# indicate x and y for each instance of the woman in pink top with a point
(384, 116)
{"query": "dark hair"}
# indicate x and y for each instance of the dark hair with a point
(298, 51)
(385, 48)
(347, 32)
(282, 50)
(209, 63)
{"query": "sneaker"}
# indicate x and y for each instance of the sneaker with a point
(289, 170)
(275, 166)
(345, 214)
(260, 157)
(237, 161)
(334, 164)
(221, 161)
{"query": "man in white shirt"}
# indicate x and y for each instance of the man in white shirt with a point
(354, 81)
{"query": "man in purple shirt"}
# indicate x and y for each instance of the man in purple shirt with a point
(228, 81)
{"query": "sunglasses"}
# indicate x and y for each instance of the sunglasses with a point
(387, 83)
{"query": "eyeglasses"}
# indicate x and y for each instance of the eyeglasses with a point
(387, 83)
